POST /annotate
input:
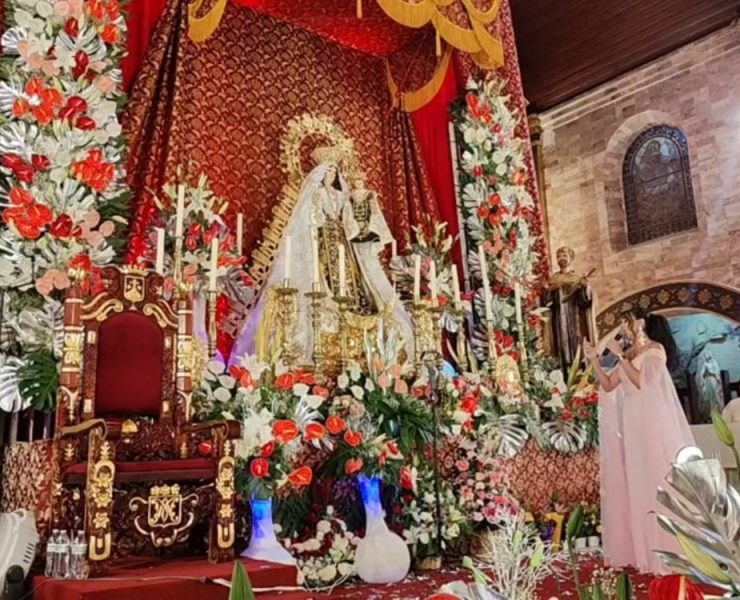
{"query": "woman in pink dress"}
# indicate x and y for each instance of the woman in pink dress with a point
(641, 429)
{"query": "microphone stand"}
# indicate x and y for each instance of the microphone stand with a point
(431, 360)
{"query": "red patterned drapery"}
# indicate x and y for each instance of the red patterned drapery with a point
(224, 104)
(537, 477)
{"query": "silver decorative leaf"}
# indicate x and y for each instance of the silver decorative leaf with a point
(41, 327)
(565, 436)
(10, 396)
(11, 38)
(706, 512)
(511, 434)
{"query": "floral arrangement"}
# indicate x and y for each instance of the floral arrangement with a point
(327, 557)
(418, 512)
(62, 191)
(500, 214)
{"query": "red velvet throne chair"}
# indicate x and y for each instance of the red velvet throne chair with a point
(129, 465)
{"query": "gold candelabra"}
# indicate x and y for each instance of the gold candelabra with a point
(288, 296)
(427, 331)
(316, 295)
(343, 303)
(212, 332)
(435, 314)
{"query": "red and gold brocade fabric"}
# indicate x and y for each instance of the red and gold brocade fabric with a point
(536, 477)
(225, 104)
(26, 480)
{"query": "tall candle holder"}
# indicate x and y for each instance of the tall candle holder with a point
(316, 295)
(343, 303)
(418, 317)
(288, 297)
(435, 314)
(177, 271)
(212, 332)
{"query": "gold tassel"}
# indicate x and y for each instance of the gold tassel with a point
(359, 9)
(437, 43)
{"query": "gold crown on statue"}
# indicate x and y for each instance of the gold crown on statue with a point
(328, 154)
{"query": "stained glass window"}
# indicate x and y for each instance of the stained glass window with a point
(658, 196)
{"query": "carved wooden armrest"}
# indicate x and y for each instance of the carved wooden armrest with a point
(110, 430)
(232, 429)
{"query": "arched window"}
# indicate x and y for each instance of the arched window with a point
(658, 197)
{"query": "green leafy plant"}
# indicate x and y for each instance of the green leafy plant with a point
(38, 379)
(241, 586)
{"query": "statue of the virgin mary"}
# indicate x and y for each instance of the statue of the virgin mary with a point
(327, 210)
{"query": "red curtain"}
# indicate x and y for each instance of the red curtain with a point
(431, 124)
(142, 18)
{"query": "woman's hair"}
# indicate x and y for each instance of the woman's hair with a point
(657, 329)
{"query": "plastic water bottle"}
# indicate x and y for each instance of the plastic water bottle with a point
(78, 553)
(63, 552)
(51, 553)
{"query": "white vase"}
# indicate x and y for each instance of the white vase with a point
(381, 556)
(263, 545)
(581, 544)
(594, 541)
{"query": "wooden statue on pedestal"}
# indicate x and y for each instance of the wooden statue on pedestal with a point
(570, 299)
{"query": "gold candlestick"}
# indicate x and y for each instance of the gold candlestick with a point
(418, 317)
(435, 315)
(177, 271)
(316, 295)
(343, 302)
(212, 332)
(288, 316)
(461, 347)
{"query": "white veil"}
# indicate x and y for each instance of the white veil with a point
(299, 230)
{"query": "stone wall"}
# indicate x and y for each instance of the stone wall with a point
(697, 89)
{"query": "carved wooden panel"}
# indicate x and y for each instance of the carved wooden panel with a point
(658, 196)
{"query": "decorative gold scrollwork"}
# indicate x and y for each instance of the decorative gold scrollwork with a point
(100, 500)
(225, 490)
(166, 509)
(73, 345)
(101, 312)
(163, 319)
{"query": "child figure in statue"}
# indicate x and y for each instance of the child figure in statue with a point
(641, 429)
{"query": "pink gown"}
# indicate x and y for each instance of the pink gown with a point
(640, 432)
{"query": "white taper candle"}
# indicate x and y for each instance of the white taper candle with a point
(433, 282)
(159, 262)
(417, 278)
(239, 233)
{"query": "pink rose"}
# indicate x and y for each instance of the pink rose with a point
(104, 84)
(401, 387)
(462, 465)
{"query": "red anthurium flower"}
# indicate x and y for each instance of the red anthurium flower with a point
(301, 476)
(205, 448)
(306, 378)
(259, 467)
(40, 162)
(72, 27)
(285, 431)
(406, 478)
(85, 123)
(109, 34)
(353, 438)
(443, 596)
(62, 226)
(12, 160)
(94, 171)
(267, 450)
(320, 391)
(392, 449)
(81, 63)
(286, 381)
(352, 466)
(315, 431)
(77, 104)
(335, 424)
(674, 587)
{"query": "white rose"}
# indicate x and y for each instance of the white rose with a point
(369, 385)
(357, 392)
(222, 395)
(355, 372)
(343, 381)
(345, 569)
(227, 381)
